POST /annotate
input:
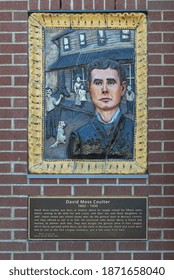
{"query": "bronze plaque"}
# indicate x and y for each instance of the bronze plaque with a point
(86, 218)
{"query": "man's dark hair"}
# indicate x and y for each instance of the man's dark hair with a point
(104, 63)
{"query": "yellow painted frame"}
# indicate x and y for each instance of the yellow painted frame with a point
(36, 24)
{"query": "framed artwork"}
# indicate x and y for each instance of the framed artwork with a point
(87, 93)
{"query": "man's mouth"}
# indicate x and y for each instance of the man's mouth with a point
(105, 99)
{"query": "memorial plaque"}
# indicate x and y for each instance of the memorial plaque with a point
(80, 218)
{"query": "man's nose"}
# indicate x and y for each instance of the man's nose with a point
(105, 88)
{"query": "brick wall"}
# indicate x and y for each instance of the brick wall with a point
(14, 185)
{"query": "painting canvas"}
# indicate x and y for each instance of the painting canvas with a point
(72, 58)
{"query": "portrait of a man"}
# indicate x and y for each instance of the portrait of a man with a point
(109, 134)
(88, 111)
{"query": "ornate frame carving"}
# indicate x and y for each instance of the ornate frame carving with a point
(38, 22)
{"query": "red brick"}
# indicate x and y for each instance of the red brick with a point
(5, 81)
(5, 167)
(154, 146)
(161, 135)
(13, 135)
(13, 179)
(120, 5)
(21, 213)
(169, 59)
(161, 201)
(5, 213)
(155, 168)
(88, 4)
(155, 212)
(88, 190)
(102, 181)
(154, 124)
(154, 81)
(147, 256)
(33, 5)
(169, 102)
(72, 246)
(154, 103)
(5, 256)
(169, 168)
(20, 59)
(110, 4)
(154, 59)
(160, 223)
(44, 5)
(162, 70)
(160, 114)
(168, 212)
(160, 5)
(159, 91)
(12, 246)
(15, 27)
(168, 15)
(5, 102)
(134, 245)
(27, 256)
(46, 181)
(162, 48)
(161, 179)
(20, 16)
(102, 246)
(169, 190)
(168, 81)
(13, 91)
(78, 5)
(20, 102)
(21, 38)
(87, 256)
(15, 70)
(161, 157)
(161, 246)
(168, 234)
(130, 5)
(5, 124)
(12, 156)
(57, 256)
(99, 4)
(117, 256)
(72, 181)
(4, 146)
(66, 5)
(168, 256)
(168, 37)
(154, 37)
(57, 190)
(21, 235)
(42, 246)
(12, 202)
(140, 190)
(20, 168)
(154, 234)
(19, 146)
(15, 48)
(141, 5)
(5, 59)
(55, 5)
(153, 16)
(169, 124)
(6, 16)
(132, 181)
(117, 190)
(32, 190)
(21, 124)
(5, 38)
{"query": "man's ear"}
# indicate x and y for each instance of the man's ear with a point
(123, 88)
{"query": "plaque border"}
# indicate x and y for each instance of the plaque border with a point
(89, 197)
(37, 22)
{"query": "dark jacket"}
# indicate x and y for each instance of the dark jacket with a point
(96, 140)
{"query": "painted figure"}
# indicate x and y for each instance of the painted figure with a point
(51, 113)
(76, 90)
(110, 134)
(61, 138)
(130, 100)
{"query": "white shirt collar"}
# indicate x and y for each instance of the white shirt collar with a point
(115, 116)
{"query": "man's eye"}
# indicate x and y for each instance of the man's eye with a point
(111, 83)
(98, 83)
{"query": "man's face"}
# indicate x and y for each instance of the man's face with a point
(105, 89)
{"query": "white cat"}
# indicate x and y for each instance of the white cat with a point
(61, 138)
